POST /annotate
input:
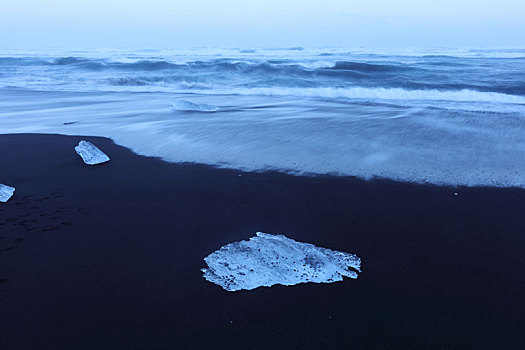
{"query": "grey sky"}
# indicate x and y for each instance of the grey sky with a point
(28, 24)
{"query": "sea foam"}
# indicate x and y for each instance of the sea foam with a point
(459, 143)
(362, 93)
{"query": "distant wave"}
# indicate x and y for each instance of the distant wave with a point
(266, 66)
(187, 106)
(127, 82)
(295, 48)
(367, 67)
(68, 60)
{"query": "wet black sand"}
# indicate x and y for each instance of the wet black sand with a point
(108, 257)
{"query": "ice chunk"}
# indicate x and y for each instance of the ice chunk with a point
(267, 259)
(182, 105)
(90, 153)
(6, 192)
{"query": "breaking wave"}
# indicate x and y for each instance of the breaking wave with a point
(266, 66)
(384, 94)
(367, 67)
(67, 61)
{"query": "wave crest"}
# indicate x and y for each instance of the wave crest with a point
(67, 60)
(386, 94)
(367, 67)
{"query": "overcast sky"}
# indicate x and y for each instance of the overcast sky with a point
(29, 24)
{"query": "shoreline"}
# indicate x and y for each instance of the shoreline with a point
(450, 145)
(110, 256)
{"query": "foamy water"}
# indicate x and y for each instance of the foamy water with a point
(452, 117)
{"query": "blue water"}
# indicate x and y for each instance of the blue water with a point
(497, 71)
(444, 116)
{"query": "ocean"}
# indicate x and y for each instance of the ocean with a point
(439, 116)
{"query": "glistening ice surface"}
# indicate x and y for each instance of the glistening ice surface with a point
(6, 192)
(266, 260)
(434, 116)
(90, 153)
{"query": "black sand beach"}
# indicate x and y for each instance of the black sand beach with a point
(109, 257)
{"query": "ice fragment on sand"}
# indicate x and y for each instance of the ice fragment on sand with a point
(6, 192)
(182, 105)
(266, 259)
(90, 153)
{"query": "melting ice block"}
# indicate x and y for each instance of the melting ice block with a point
(187, 106)
(6, 192)
(90, 153)
(267, 259)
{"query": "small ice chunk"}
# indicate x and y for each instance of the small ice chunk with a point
(267, 259)
(6, 192)
(187, 106)
(455, 193)
(90, 153)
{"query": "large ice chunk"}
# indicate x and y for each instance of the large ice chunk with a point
(90, 153)
(6, 192)
(187, 106)
(267, 259)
